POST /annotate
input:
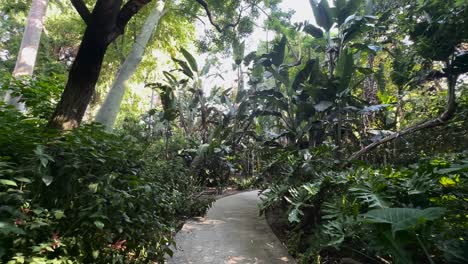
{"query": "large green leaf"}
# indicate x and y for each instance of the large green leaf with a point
(323, 14)
(322, 106)
(303, 75)
(313, 31)
(370, 197)
(344, 68)
(277, 54)
(403, 218)
(249, 58)
(345, 9)
(190, 59)
(170, 78)
(281, 74)
(8, 182)
(185, 67)
(460, 64)
(8, 228)
(355, 25)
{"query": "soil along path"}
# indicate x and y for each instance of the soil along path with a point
(231, 233)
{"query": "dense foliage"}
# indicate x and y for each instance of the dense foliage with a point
(413, 214)
(354, 127)
(372, 81)
(86, 196)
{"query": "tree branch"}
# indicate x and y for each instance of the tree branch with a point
(450, 110)
(82, 10)
(211, 19)
(126, 13)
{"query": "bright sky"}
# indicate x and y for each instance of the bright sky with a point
(301, 7)
(303, 12)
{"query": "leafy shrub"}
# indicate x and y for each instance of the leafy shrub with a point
(87, 196)
(414, 214)
(245, 183)
(39, 94)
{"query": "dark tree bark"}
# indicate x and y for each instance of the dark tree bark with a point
(104, 25)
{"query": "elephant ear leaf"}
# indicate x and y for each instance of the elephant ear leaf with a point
(403, 218)
(190, 59)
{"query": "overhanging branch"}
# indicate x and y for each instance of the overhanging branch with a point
(449, 112)
(211, 19)
(82, 10)
(126, 13)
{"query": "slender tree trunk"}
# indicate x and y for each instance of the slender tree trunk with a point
(104, 25)
(109, 110)
(370, 84)
(370, 94)
(29, 47)
(183, 121)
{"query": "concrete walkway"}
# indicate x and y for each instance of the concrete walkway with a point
(231, 233)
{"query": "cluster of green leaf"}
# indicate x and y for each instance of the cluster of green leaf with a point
(414, 214)
(372, 70)
(249, 183)
(88, 196)
(40, 94)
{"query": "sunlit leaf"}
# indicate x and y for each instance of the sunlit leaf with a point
(191, 60)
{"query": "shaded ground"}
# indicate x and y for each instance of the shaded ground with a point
(277, 218)
(231, 233)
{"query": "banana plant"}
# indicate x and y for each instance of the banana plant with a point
(309, 103)
(341, 78)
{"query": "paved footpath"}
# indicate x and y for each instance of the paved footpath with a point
(231, 233)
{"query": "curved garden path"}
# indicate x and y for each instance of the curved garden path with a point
(231, 233)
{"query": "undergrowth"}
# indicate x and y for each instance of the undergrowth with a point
(412, 214)
(88, 196)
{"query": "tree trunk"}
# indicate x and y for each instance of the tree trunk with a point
(104, 25)
(370, 94)
(29, 47)
(109, 110)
